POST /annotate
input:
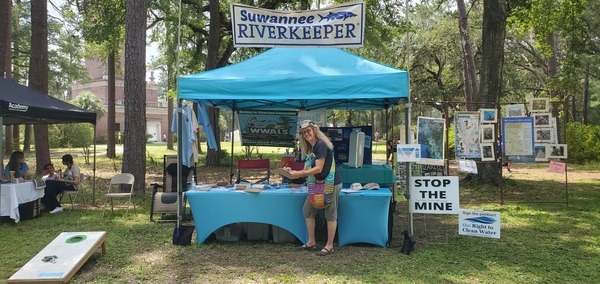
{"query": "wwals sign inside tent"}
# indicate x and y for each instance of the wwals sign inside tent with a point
(479, 223)
(339, 26)
(268, 128)
(434, 195)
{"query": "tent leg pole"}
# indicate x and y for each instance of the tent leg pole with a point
(94, 170)
(408, 140)
(232, 140)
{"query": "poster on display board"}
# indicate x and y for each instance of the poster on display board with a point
(408, 153)
(517, 136)
(467, 135)
(430, 135)
(268, 128)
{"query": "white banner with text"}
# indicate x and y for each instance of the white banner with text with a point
(339, 26)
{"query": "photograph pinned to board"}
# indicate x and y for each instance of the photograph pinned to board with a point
(515, 110)
(543, 135)
(558, 151)
(540, 105)
(487, 133)
(335, 134)
(539, 151)
(488, 115)
(467, 166)
(408, 153)
(542, 119)
(487, 152)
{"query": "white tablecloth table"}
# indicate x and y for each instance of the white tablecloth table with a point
(13, 194)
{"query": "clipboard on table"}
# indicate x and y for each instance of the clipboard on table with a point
(283, 172)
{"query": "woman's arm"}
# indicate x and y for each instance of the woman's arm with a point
(319, 163)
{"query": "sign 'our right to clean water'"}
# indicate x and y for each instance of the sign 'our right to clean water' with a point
(434, 195)
(479, 223)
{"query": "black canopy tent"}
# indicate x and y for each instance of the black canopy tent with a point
(22, 105)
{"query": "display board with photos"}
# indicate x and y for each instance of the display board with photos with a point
(340, 138)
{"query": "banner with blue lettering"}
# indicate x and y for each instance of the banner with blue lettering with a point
(268, 128)
(339, 26)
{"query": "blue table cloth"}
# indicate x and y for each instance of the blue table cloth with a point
(363, 217)
(214, 209)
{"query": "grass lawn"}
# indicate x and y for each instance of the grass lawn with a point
(546, 241)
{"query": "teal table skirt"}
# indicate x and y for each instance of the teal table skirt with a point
(381, 174)
(214, 209)
(362, 217)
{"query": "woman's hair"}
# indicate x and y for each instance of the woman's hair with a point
(67, 159)
(305, 146)
(14, 164)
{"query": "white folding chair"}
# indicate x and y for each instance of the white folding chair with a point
(114, 191)
(74, 193)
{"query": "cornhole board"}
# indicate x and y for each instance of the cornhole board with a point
(61, 258)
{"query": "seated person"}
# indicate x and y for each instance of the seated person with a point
(17, 165)
(49, 173)
(69, 181)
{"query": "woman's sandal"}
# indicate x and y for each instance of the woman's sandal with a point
(306, 247)
(325, 251)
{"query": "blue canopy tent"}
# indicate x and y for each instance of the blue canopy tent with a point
(298, 79)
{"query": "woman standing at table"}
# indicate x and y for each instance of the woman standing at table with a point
(69, 181)
(17, 165)
(324, 184)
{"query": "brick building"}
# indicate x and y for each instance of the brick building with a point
(156, 110)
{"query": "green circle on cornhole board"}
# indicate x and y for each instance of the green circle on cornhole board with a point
(76, 239)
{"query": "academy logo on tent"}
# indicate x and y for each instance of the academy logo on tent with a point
(17, 107)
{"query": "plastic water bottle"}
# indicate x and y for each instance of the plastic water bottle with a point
(193, 185)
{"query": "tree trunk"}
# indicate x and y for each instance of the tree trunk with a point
(5, 39)
(38, 75)
(373, 122)
(110, 100)
(552, 63)
(134, 146)
(6, 60)
(8, 145)
(469, 69)
(214, 41)
(27, 138)
(586, 95)
(170, 105)
(492, 60)
(16, 135)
